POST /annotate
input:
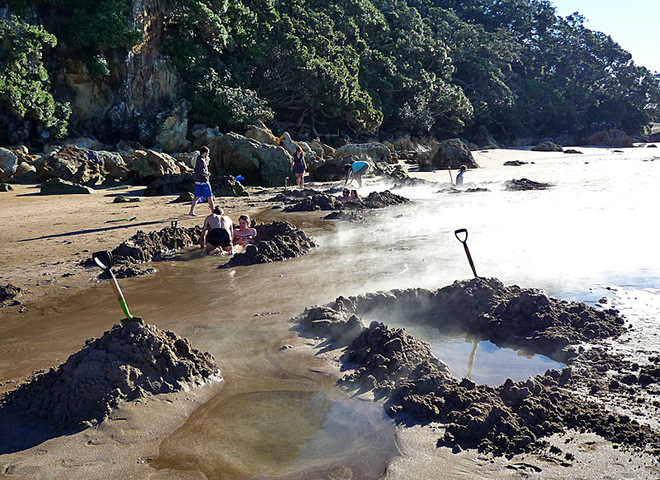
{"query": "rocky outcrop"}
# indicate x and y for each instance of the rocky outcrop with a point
(74, 164)
(57, 186)
(172, 127)
(374, 152)
(8, 164)
(610, 138)
(259, 163)
(450, 154)
(152, 164)
(547, 147)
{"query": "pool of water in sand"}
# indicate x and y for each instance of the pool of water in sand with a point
(592, 237)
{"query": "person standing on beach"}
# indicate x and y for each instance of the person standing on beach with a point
(459, 177)
(201, 176)
(217, 232)
(299, 166)
(354, 171)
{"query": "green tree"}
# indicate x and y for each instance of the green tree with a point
(25, 88)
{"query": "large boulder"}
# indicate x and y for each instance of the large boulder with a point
(287, 143)
(376, 152)
(328, 169)
(450, 154)
(547, 147)
(222, 186)
(57, 186)
(72, 163)
(610, 138)
(260, 164)
(261, 133)
(8, 164)
(172, 128)
(152, 164)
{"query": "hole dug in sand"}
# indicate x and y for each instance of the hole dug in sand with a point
(418, 388)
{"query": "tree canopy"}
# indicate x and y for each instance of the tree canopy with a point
(440, 67)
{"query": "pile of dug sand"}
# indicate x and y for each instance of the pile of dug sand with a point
(148, 246)
(309, 200)
(275, 241)
(514, 417)
(8, 294)
(126, 363)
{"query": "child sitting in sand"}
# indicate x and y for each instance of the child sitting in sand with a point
(244, 234)
(345, 196)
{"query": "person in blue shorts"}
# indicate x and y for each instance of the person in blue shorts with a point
(201, 176)
(354, 171)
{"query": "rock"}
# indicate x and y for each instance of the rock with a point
(110, 160)
(525, 184)
(24, 169)
(152, 164)
(317, 147)
(125, 199)
(9, 292)
(514, 163)
(450, 154)
(170, 184)
(172, 128)
(374, 152)
(547, 147)
(5, 187)
(57, 186)
(286, 142)
(259, 163)
(572, 151)
(261, 133)
(610, 138)
(327, 170)
(8, 164)
(72, 163)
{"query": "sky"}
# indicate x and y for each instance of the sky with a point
(633, 24)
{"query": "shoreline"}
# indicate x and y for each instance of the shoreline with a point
(42, 262)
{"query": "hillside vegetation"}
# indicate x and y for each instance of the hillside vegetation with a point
(355, 67)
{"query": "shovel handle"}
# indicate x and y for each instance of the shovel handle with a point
(461, 231)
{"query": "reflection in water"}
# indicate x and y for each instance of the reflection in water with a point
(473, 353)
(282, 434)
(492, 365)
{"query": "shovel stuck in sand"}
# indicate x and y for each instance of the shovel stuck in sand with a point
(105, 261)
(458, 234)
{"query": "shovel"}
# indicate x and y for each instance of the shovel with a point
(458, 234)
(174, 224)
(105, 261)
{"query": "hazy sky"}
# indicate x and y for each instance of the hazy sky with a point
(633, 24)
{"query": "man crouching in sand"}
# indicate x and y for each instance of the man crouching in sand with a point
(217, 233)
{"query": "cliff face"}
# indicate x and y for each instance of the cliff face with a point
(133, 101)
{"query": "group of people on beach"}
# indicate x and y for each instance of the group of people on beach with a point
(218, 231)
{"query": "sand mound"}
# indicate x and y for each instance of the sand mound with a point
(514, 417)
(126, 363)
(309, 200)
(275, 241)
(148, 246)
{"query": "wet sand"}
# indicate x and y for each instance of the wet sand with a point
(45, 238)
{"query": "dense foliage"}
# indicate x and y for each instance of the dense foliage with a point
(441, 67)
(444, 67)
(25, 90)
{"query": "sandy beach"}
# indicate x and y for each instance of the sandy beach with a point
(45, 241)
